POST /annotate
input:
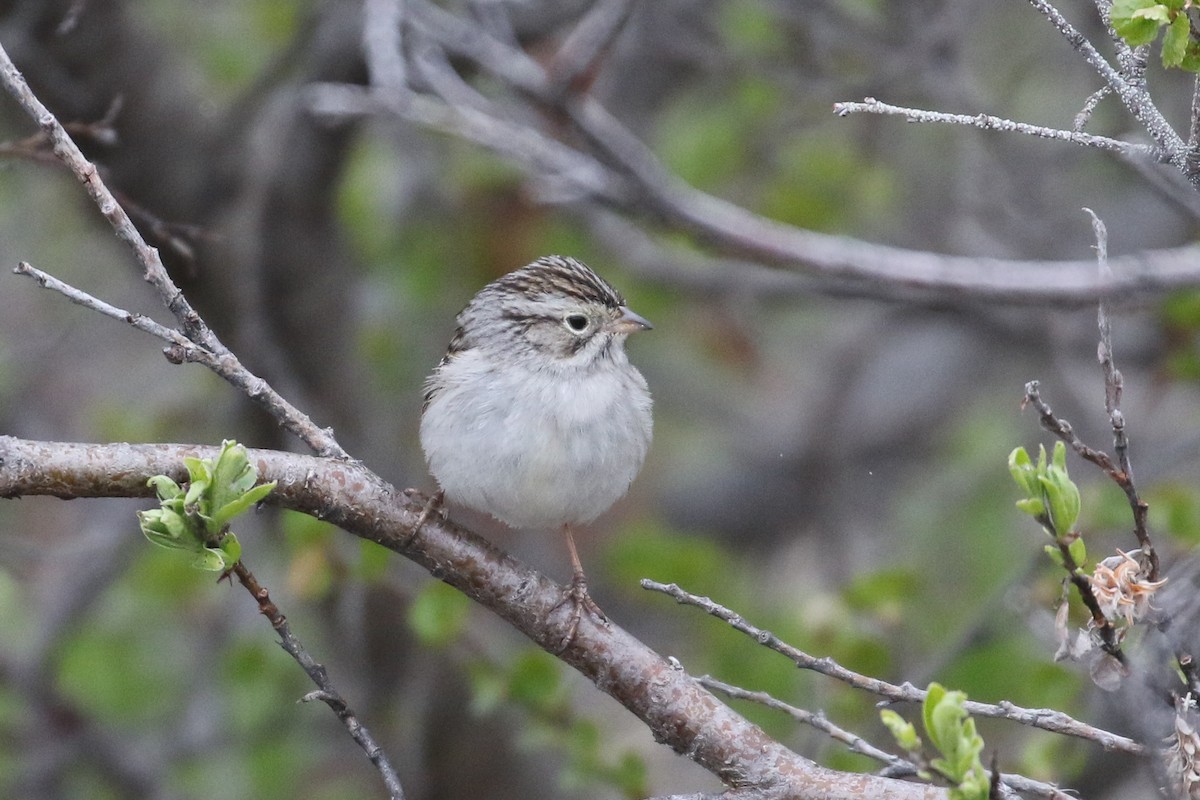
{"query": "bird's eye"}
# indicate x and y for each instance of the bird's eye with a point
(577, 322)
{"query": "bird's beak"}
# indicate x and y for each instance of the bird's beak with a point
(630, 322)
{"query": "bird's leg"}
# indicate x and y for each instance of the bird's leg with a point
(578, 593)
(434, 506)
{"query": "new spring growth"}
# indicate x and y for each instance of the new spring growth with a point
(1051, 497)
(1138, 22)
(952, 732)
(196, 516)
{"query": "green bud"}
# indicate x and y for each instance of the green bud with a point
(902, 731)
(196, 519)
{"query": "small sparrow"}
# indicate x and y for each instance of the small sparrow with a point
(535, 414)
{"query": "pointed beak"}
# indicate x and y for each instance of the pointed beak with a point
(630, 322)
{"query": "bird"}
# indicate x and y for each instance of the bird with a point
(535, 414)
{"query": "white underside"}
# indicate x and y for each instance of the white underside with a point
(536, 450)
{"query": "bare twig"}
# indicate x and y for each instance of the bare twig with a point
(382, 21)
(896, 766)
(988, 122)
(71, 18)
(1193, 145)
(586, 44)
(1114, 384)
(321, 440)
(1089, 106)
(326, 691)
(1046, 719)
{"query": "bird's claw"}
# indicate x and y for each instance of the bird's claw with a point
(580, 600)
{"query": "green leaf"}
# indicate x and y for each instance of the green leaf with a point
(231, 548)
(198, 469)
(164, 487)
(1078, 551)
(1157, 12)
(1061, 496)
(197, 490)
(953, 733)
(210, 560)
(195, 519)
(1023, 472)
(1175, 42)
(536, 680)
(935, 693)
(438, 614)
(1191, 57)
(1135, 20)
(242, 503)
(165, 528)
(1033, 506)
(902, 730)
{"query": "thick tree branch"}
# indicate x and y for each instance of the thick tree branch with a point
(676, 708)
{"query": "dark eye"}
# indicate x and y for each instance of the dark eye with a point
(577, 322)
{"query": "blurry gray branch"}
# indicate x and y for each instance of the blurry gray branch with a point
(1044, 718)
(191, 326)
(677, 709)
(600, 161)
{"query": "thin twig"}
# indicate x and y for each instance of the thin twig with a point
(896, 766)
(326, 691)
(1089, 106)
(987, 122)
(382, 23)
(177, 341)
(1132, 92)
(1193, 145)
(321, 440)
(1114, 384)
(1044, 718)
(586, 44)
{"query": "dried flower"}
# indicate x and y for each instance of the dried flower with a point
(1180, 755)
(1121, 588)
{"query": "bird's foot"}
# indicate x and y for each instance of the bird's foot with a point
(580, 601)
(434, 506)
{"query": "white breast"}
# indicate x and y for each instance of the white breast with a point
(537, 449)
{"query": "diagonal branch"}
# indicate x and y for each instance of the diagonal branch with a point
(676, 708)
(321, 440)
(326, 691)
